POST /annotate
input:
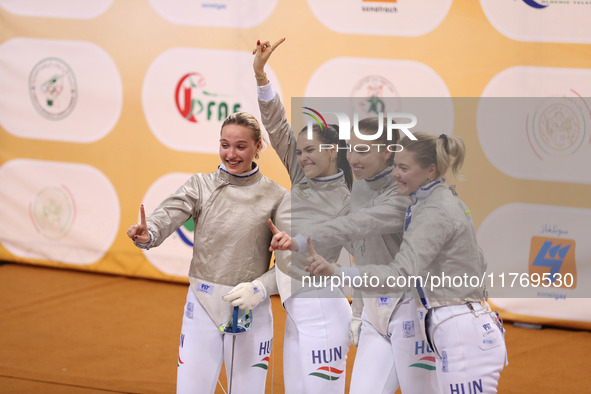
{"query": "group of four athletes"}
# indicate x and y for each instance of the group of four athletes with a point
(396, 217)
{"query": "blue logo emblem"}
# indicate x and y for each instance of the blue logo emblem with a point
(534, 4)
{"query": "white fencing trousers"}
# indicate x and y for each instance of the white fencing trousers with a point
(404, 359)
(471, 347)
(203, 347)
(316, 343)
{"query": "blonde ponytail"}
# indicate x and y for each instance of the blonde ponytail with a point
(445, 151)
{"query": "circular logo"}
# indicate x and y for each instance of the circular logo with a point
(195, 104)
(559, 127)
(52, 87)
(370, 92)
(53, 212)
(186, 95)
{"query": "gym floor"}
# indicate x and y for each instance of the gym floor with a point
(65, 331)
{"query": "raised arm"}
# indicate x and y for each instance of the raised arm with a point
(273, 115)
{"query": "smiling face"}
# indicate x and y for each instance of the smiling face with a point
(366, 160)
(409, 174)
(238, 148)
(316, 161)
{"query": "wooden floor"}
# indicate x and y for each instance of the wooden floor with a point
(72, 332)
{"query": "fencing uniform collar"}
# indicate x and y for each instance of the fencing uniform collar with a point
(425, 190)
(383, 178)
(326, 182)
(246, 178)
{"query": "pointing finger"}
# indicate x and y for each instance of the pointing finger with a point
(272, 227)
(279, 42)
(311, 248)
(142, 215)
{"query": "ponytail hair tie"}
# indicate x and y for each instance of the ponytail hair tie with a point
(445, 141)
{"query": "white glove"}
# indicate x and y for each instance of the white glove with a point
(355, 330)
(246, 295)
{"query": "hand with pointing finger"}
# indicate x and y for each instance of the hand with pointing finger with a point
(262, 53)
(139, 231)
(317, 265)
(280, 240)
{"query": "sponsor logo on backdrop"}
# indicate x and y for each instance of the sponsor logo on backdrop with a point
(367, 99)
(62, 201)
(58, 8)
(557, 127)
(554, 259)
(381, 17)
(186, 96)
(52, 88)
(549, 240)
(366, 77)
(535, 4)
(546, 113)
(540, 20)
(373, 88)
(197, 104)
(67, 91)
(53, 211)
(220, 13)
(215, 6)
(382, 6)
(541, 4)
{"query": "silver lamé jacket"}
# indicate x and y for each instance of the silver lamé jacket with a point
(439, 242)
(232, 236)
